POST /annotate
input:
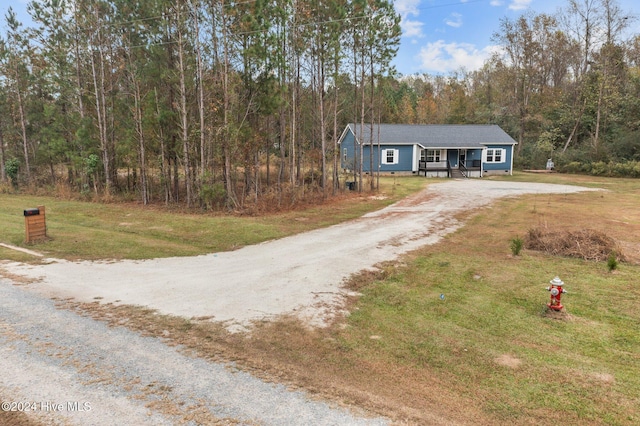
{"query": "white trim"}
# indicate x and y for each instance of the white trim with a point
(503, 155)
(344, 133)
(511, 166)
(384, 158)
(442, 153)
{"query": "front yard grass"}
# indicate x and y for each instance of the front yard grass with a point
(473, 316)
(81, 230)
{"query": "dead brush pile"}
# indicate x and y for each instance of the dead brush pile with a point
(585, 244)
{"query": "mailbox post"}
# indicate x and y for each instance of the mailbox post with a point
(35, 224)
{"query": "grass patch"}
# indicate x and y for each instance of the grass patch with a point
(82, 230)
(568, 369)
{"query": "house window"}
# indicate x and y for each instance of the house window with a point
(495, 155)
(390, 156)
(344, 155)
(434, 155)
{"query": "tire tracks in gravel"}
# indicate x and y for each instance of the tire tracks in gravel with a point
(73, 370)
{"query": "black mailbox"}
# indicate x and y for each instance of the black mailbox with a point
(32, 212)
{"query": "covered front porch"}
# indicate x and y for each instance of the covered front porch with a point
(450, 163)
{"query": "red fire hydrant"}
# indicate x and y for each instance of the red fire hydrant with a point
(556, 290)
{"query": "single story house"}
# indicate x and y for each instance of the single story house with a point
(438, 150)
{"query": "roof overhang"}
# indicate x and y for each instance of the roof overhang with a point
(450, 147)
(499, 143)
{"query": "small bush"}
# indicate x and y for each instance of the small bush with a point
(213, 196)
(516, 246)
(612, 261)
(573, 167)
(12, 166)
(600, 169)
(627, 168)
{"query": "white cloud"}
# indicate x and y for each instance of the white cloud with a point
(496, 2)
(442, 57)
(454, 20)
(407, 9)
(411, 28)
(519, 4)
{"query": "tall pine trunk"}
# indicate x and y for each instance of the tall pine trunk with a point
(141, 142)
(23, 128)
(201, 110)
(3, 157)
(98, 74)
(184, 118)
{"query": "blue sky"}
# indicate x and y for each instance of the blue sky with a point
(438, 36)
(442, 36)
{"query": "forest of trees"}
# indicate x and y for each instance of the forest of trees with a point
(227, 104)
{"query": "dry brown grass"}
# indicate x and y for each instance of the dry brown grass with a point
(587, 244)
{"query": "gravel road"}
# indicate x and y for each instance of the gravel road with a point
(50, 356)
(67, 369)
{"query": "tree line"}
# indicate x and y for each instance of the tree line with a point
(210, 103)
(229, 104)
(565, 86)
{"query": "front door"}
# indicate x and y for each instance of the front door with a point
(452, 157)
(463, 157)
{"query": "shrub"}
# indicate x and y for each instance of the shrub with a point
(516, 246)
(572, 167)
(213, 195)
(12, 166)
(612, 261)
(600, 169)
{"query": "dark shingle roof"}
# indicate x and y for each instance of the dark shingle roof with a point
(437, 135)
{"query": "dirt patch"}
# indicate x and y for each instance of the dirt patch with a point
(16, 418)
(15, 278)
(557, 315)
(587, 244)
(507, 360)
(604, 377)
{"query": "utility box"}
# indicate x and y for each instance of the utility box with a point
(35, 224)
